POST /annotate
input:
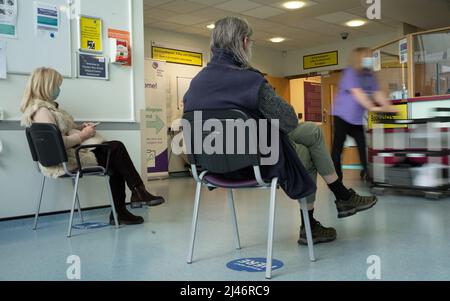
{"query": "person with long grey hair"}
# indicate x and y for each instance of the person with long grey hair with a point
(230, 82)
(234, 34)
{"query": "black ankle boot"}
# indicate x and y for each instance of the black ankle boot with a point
(140, 196)
(126, 218)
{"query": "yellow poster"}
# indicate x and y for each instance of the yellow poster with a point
(91, 35)
(402, 114)
(320, 60)
(177, 56)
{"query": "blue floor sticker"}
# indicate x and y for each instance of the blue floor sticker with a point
(91, 225)
(253, 265)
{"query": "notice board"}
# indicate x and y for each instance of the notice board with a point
(313, 102)
(177, 56)
(92, 66)
(43, 38)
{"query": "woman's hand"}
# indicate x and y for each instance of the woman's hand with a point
(86, 124)
(392, 109)
(389, 109)
(385, 109)
(87, 132)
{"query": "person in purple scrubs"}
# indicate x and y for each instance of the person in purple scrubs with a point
(358, 92)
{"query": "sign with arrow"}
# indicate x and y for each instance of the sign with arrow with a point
(154, 140)
(157, 124)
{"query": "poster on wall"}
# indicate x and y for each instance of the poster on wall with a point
(403, 51)
(8, 18)
(92, 66)
(377, 60)
(120, 46)
(91, 34)
(154, 140)
(46, 19)
(313, 102)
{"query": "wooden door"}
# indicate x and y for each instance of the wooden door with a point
(281, 86)
(330, 83)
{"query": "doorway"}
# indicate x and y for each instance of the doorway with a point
(311, 98)
(309, 106)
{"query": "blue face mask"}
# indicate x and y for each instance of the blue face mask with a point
(56, 93)
(367, 63)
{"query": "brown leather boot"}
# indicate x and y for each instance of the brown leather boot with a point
(140, 196)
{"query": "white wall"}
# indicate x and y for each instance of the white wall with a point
(181, 41)
(115, 94)
(19, 182)
(267, 60)
(293, 63)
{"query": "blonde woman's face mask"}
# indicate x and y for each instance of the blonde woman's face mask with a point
(56, 93)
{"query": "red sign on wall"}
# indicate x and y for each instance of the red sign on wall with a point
(313, 102)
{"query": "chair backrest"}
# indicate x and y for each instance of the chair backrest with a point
(46, 144)
(244, 151)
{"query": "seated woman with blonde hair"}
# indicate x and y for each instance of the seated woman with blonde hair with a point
(39, 106)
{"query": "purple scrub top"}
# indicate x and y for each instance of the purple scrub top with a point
(345, 105)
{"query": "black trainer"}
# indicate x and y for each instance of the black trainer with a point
(355, 204)
(320, 234)
(126, 218)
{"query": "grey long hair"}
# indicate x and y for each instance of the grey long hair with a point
(229, 33)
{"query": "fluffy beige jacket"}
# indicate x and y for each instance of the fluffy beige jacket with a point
(46, 112)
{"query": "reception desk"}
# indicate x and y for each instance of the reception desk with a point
(416, 137)
(422, 107)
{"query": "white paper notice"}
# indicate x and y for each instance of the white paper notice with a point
(2, 59)
(403, 51)
(377, 59)
(8, 18)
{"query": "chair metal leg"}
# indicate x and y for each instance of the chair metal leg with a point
(75, 191)
(113, 208)
(80, 214)
(38, 204)
(198, 192)
(78, 204)
(234, 219)
(273, 192)
(307, 226)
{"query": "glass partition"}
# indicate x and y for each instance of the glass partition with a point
(393, 76)
(432, 63)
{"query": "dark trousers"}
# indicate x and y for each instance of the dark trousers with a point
(341, 130)
(123, 171)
